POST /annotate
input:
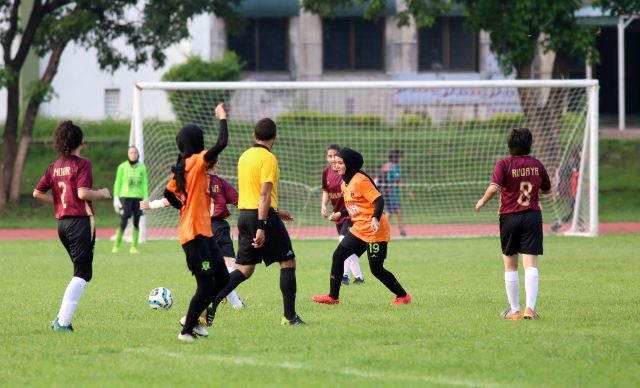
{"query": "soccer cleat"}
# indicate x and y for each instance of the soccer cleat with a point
(325, 299)
(187, 337)
(134, 251)
(296, 321)
(197, 329)
(402, 299)
(115, 249)
(55, 326)
(403, 233)
(345, 280)
(240, 306)
(530, 314)
(511, 315)
(209, 314)
(358, 281)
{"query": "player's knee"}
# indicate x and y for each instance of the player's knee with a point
(83, 270)
(376, 266)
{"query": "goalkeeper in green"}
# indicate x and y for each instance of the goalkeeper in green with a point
(129, 189)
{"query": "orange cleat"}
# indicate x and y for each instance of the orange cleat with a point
(402, 299)
(530, 314)
(511, 315)
(325, 299)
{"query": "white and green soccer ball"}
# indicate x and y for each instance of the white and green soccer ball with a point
(160, 298)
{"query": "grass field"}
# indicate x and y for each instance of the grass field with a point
(451, 335)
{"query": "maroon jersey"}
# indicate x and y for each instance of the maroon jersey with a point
(221, 193)
(332, 185)
(64, 177)
(520, 179)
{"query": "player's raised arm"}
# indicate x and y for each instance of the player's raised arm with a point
(223, 134)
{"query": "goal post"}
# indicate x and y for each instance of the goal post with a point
(444, 137)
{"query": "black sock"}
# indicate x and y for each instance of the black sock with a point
(235, 278)
(386, 277)
(288, 287)
(199, 301)
(337, 268)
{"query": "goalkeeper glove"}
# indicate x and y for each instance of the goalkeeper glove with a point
(117, 206)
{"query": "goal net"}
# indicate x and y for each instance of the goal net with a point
(443, 138)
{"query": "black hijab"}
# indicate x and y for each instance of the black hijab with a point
(353, 162)
(190, 140)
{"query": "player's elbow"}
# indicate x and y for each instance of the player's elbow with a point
(83, 195)
(35, 194)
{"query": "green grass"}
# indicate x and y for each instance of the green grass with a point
(451, 334)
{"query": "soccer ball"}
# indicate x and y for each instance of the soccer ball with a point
(160, 297)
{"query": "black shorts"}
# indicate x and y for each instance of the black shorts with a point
(78, 236)
(277, 246)
(343, 228)
(375, 250)
(521, 233)
(202, 254)
(222, 235)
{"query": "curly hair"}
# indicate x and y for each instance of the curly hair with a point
(66, 138)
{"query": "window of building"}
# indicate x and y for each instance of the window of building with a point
(353, 44)
(446, 46)
(263, 45)
(111, 102)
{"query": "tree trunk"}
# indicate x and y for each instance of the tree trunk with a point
(29, 121)
(10, 139)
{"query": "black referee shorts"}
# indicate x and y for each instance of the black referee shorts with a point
(203, 255)
(222, 235)
(78, 237)
(277, 246)
(521, 233)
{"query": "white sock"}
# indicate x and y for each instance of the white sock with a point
(355, 266)
(512, 285)
(531, 286)
(70, 300)
(233, 296)
(346, 267)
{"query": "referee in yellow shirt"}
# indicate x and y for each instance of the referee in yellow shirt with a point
(262, 236)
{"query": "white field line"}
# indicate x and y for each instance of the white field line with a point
(298, 366)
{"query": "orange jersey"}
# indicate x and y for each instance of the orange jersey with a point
(358, 196)
(194, 215)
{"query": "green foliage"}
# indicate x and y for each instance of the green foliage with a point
(415, 122)
(7, 76)
(450, 335)
(618, 183)
(514, 28)
(195, 69)
(423, 12)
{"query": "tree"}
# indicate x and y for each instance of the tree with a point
(147, 28)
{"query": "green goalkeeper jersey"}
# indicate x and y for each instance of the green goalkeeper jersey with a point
(131, 181)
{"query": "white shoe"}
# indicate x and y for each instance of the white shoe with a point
(189, 337)
(197, 329)
(240, 306)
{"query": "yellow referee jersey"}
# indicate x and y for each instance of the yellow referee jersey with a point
(257, 165)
